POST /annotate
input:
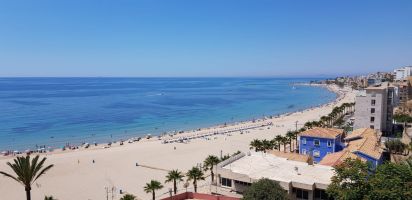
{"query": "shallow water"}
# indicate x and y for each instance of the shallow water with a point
(56, 111)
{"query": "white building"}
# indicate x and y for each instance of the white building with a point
(299, 179)
(403, 73)
(374, 108)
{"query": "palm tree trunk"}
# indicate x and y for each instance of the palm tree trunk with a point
(195, 185)
(28, 195)
(212, 174)
(297, 145)
(154, 195)
(174, 186)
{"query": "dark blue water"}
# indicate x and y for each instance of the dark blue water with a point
(55, 111)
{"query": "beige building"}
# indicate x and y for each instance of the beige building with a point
(405, 95)
(374, 108)
(299, 179)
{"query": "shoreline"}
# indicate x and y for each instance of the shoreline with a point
(70, 140)
(185, 135)
(84, 173)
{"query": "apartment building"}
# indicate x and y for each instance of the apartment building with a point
(374, 108)
(403, 73)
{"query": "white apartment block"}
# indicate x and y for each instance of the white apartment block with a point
(403, 73)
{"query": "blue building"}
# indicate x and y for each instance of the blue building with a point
(361, 144)
(364, 143)
(319, 142)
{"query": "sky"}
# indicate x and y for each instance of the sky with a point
(180, 38)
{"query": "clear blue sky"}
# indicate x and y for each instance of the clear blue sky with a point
(203, 37)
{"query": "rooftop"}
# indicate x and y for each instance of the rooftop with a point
(331, 133)
(259, 165)
(290, 156)
(367, 142)
(381, 86)
(337, 158)
(361, 133)
(363, 140)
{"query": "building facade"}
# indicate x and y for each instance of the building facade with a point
(403, 73)
(404, 91)
(300, 180)
(363, 144)
(319, 142)
(374, 108)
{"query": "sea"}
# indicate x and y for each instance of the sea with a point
(57, 111)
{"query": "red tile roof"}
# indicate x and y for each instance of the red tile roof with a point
(331, 133)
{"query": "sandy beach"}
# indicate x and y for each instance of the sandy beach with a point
(76, 177)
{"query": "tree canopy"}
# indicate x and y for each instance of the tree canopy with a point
(402, 118)
(390, 181)
(128, 197)
(265, 189)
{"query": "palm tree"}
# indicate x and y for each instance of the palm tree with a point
(152, 187)
(324, 120)
(308, 125)
(208, 164)
(290, 135)
(128, 197)
(279, 140)
(266, 145)
(284, 142)
(257, 144)
(174, 176)
(195, 174)
(49, 198)
(275, 144)
(27, 172)
(296, 136)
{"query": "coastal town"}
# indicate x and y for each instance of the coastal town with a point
(305, 154)
(205, 100)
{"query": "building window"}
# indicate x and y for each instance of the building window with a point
(373, 94)
(304, 151)
(372, 110)
(316, 142)
(303, 140)
(321, 194)
(372, 126)
(372, 119)
(242, 183)
(226, 182)
(301, 194)
(316, 154)
(373, 102)
(329, 143)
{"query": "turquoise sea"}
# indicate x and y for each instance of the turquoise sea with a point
(56, 111)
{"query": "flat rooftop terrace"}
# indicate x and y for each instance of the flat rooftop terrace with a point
(259, 165)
